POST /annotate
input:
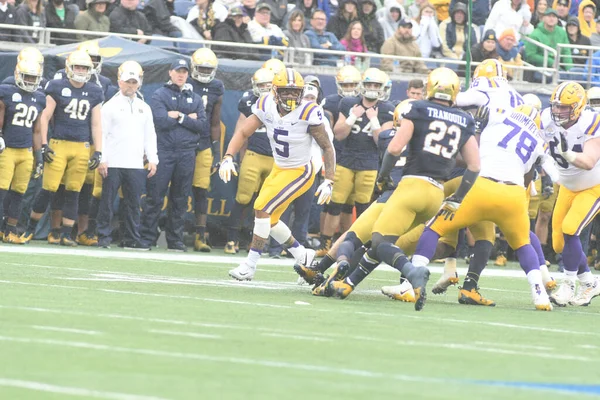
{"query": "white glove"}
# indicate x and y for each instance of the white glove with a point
(324, 192)
(227, 168)
(2, 144)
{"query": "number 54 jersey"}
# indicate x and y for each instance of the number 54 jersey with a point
(509, 146)
(289, 137)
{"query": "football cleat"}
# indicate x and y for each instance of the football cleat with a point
(86, 239)
(1, 235)
(585, 293)
(324, 248)
(501, 260)
(540, 298)
(564, 294)
(53, 238)
(243, 272)
(230, 248)
(308, 274)
(418, 278)
(200, 245)
(340, 289)
(550, 286)
(340, 270)
(67, 240)
(12, 238)
(444, 283)
(474, 298)
(26, 237)
(402, 292)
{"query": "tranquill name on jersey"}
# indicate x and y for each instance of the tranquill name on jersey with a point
(447, 116)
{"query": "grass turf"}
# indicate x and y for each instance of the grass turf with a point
(105, 327)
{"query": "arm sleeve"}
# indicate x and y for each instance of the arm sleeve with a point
(159, 111)
(150, 146)
(471, 97)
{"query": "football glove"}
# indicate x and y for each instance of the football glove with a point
(547, 187)
(2, 144)
(385, 183)
(95, 160)
(324, 192)
(227, 168)
(47, 153)
(564, 151)
(39, 165)
(449, 207)
(482, 116)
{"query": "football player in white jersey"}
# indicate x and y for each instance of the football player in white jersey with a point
(574, 139)
(509, 147)
(291, 127)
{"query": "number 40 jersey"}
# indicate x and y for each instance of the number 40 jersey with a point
(289, 137)
(22, 109)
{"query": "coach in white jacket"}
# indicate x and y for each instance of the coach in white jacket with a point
(128, 136)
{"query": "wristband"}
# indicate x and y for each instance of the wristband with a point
(375, 124)
(570, 156)
(351, 119)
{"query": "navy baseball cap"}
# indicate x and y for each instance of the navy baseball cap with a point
(181, 63)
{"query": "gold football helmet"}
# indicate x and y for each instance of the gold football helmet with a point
(400, 110)
(593, 95)
(28, 74)
(79, 58)
(132, 69)
(348, 80)
(204, 65)
(31, 54)
(387, 89)
(531, 99)
(531, 112)
(490, 68)
(262, 81)
(288, 87)
(373, 83)
(442, 84)
(93, 49)
(274, 65)
(567, 102)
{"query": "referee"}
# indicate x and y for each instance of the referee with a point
(128, 135)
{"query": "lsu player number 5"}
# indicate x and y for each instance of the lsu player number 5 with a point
(291, 125)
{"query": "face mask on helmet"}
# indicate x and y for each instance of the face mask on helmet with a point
(372, 90)
(79, 73)
(561, 113)
(203, 74)
(97, 61)
(289, 98)
(595, 104)
(261, 88)
(348, 89)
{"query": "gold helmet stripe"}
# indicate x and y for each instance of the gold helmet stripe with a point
(290, 76)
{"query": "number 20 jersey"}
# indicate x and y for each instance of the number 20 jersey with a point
(439, 133)
(289, 137)
(509, 146)
(22, 109)
(72, 115)
(586, 128)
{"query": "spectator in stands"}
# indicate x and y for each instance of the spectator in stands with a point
(297, 38)
(392, 14)
(205, 15)
(322, 39)
(416, 89)
(427, 32)
(587, 13)
(158, 13)
(595, 37)
(403, 44)
(249, 8)
(480, 10)
(354, 40)
(579, 55)
(61, 15)
(453, 32)
(30, 13)
(480, 51)
(92, 19)
(562, 8)
(414, 9)
(346, 13)
(372, 30)
(308, 7)
(228, 4)
(442, 9)
(594, 71)
(126, 19)
(551, 35)
(262, 30)
(233, 29)
(514, 14)
(7, 16)
(508, 51)
(278, 10)
(538, 14)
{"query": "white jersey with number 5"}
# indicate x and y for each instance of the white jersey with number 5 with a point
(508, 147)
(289, 136)
(494, 93)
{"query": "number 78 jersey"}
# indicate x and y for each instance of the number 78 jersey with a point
(509, 146)
(288, 135)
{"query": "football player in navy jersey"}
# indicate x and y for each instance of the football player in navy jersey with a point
(256, 159)
(21, 105)
(73, 104)
(204, 68)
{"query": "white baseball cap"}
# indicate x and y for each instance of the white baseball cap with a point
(310, 90)
(130, 73)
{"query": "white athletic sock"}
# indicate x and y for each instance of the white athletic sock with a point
(299, 252)
(450, 266)
(571, 275)
(545, 274)
(420, 261)
(586, 277)
(535, 277)
(252, 259)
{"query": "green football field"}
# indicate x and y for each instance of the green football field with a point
(111, 324)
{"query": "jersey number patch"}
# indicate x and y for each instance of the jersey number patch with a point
(526, 144)
(282, 148)
(366, 129)
(437, 133)
(24, 115)
(553, 144)
(78, 109)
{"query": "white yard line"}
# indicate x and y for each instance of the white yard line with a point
(186, 334)
(72, 391)
(67, 330)
(516, 346)
(314, 338)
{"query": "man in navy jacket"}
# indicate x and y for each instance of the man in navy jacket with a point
(180, 123)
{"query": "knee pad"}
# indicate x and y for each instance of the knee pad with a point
(280, 232)
(14, 206)
(200, 200)
(58, 200)
(84, 199)
(70, 208)
(334, 209)
(347, 208)
(41, 201)
(262, 227)
(360, 208)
